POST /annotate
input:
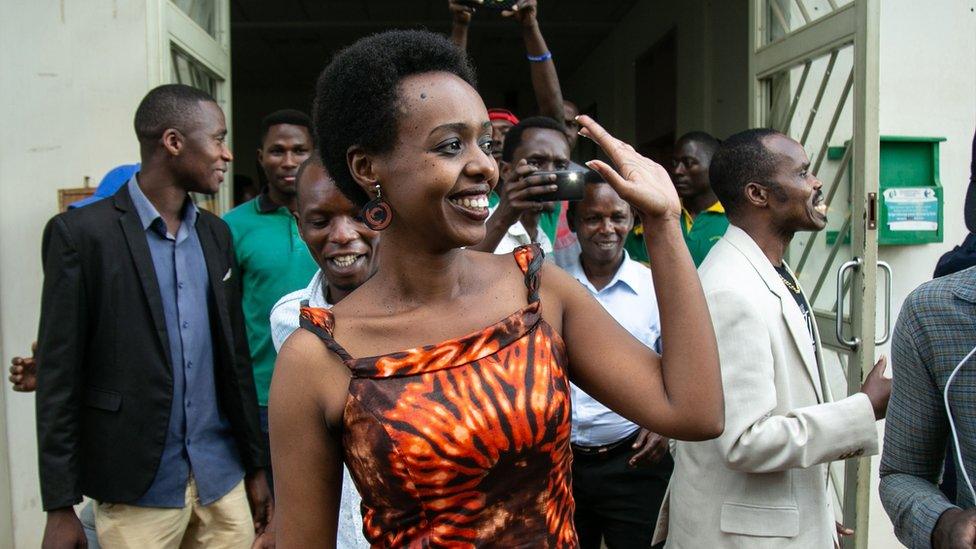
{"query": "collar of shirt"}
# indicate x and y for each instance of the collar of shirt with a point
(631, 274)
(149, 215)
(717, 207)
(264, 204)
(518, 231)
(286, 312)
(519, 234)
(316, 290)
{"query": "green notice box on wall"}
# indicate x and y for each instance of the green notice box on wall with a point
(910, 202)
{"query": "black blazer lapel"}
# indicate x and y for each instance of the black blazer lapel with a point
(135, 236)
(218, 269)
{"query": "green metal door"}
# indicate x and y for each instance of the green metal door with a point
(814, 76)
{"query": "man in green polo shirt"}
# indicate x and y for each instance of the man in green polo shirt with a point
(272, 258)
(703, 220)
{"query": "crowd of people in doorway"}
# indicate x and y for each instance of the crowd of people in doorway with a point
(432, 339)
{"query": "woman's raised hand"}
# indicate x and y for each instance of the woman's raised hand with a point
(643, 183)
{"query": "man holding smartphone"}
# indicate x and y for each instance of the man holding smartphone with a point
(534, 144)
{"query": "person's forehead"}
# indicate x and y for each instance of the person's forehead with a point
(210, 108)
(789, 153)
(210, 117)
(601, 196)
(317, 188)
(543, 141)
(431, 99)
(688, 147)
(321, 195)
(312, 173)
(287, 131)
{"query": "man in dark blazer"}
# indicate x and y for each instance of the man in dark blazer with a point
(145, 398)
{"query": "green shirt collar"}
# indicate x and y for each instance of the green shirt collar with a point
(264, 203)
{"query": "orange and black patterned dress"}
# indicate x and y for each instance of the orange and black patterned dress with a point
(464, 443)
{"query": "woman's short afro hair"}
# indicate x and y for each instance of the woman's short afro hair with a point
(356, 94)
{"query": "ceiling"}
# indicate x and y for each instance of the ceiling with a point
(284, 44)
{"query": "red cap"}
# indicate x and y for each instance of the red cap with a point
(502, 114)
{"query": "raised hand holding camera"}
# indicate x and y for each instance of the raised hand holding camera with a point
(570, 183)
(522, 10)
(523, 192)
(505, 6)
(461, 11)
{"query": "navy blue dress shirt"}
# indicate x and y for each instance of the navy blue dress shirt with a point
(199, 439)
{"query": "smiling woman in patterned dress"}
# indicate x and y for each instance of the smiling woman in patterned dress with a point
(452, 411)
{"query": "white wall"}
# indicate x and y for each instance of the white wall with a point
(928, 88)
(71, 75)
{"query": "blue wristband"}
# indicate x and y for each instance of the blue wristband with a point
(540, 58)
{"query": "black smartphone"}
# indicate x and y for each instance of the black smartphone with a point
(500, 5)
(570, 184)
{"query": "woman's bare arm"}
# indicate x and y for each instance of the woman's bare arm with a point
(305, 452)
(678, 395)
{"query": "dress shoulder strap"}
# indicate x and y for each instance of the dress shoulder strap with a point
(320, 321)
(530, 258)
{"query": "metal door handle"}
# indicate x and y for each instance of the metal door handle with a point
(887, 304)
(839, 320)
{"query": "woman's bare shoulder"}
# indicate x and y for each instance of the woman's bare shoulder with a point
(307, 371)
(303, 347)
(554, 281)
(557, 278)
(494, 263)
(557, 289)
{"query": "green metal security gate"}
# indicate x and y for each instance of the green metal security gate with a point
(814, 76)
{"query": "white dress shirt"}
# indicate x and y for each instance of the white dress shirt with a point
(284, 321)
(630, 300)
(516, 236)
(284, 314)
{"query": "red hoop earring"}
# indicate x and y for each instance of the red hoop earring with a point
(377, 213)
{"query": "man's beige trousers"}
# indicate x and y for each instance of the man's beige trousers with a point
(225, 523)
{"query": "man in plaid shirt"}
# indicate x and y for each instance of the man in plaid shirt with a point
(935, 331)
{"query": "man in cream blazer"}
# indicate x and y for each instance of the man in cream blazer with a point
(763, 483)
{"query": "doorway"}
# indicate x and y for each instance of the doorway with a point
(280, 48)
(655, 107)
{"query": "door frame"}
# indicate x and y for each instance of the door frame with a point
(170, 27)
(854, 24)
